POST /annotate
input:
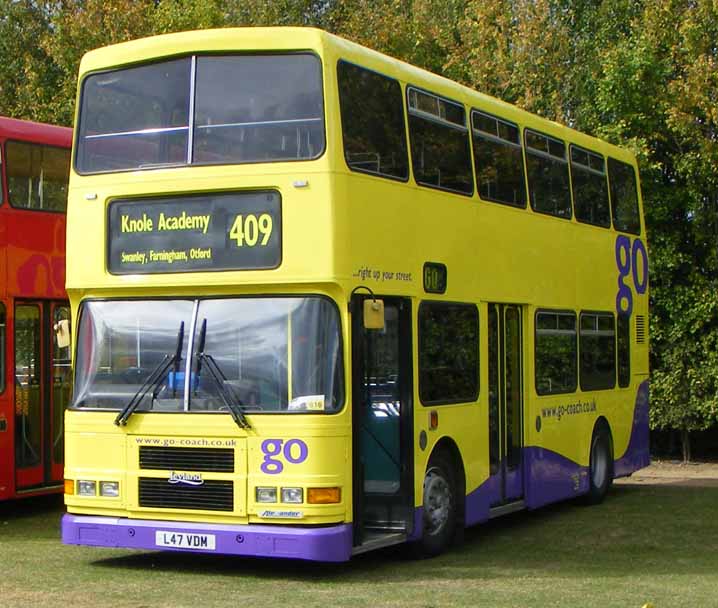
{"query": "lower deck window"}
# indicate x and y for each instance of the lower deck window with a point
(598, 351)
(555, 352)
(448, 353)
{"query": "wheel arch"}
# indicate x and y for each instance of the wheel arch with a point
(446, 445)
(602, 424)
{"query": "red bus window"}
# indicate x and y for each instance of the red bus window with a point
(2, 348)
(37, 176)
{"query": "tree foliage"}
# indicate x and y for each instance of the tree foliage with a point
(641, 73)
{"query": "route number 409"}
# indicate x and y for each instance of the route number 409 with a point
(248, 229)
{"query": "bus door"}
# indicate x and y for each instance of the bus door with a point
(505, 404)
(42, 391)
(382, 406)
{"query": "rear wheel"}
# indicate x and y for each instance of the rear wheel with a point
(600, 475)
(440, 506)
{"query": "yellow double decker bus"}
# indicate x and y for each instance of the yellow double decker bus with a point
(327, 302)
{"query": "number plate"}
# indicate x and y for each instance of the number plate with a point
(182, 540)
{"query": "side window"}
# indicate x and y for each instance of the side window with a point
(3, 347)
(2, 171)
(597, 345)
(556, 353)
(498, 160)
(623, 339)
(372, 122)
(37, 176)
(448, 353)
(590, 188)
(440, 153)
(624, 197)
(547, 171)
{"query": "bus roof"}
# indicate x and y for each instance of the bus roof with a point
(307, 38)
(26, 130)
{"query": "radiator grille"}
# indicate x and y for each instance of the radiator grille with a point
(212, 495)
(216, 460)
(640, 329)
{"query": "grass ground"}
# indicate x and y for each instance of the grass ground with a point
(647, 542)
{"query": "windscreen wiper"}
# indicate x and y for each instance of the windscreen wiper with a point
(176, 360)
(153, 381)
(234, 405)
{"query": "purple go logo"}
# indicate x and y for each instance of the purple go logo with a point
(294, 451)
(630, 260)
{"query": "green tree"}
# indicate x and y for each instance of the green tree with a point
(416, 31)
(640, 73)
(28, 78)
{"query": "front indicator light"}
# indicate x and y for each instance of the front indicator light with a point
(69, 486)
(265, 494)
(324, 496)
(86, 488)
(110, 489)
(295, 495)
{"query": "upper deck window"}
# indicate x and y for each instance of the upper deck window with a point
(202, 110)
(135, 118)
(440, 152)
(372, 122)
(547, 170)
(624, 197)
(590, 188)
(498, 160)
(37, 176)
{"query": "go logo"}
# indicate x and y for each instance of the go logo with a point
(294, 451)
(631, 259)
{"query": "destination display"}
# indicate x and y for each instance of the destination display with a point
(228, 231)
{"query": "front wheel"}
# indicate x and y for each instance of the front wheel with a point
(440, 507)
(600, 475)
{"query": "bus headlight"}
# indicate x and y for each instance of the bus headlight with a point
(110, 489)
(86, 487)
(265, 494)
(295, 495)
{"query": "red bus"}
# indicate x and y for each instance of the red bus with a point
(34, 371)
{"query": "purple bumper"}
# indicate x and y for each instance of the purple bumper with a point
(323, 544)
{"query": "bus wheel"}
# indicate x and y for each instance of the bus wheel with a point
(600, 475)
(440, 502)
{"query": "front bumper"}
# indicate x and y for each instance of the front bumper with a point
(324, 544)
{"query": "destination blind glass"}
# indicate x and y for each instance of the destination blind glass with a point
(231, 231)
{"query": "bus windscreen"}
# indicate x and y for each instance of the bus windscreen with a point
(280, 354)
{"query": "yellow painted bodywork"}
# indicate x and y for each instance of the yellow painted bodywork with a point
(342, 230)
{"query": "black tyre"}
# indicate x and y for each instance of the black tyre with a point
(600, 475)
(440, 506)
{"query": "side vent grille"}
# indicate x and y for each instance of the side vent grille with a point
(640, 329)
